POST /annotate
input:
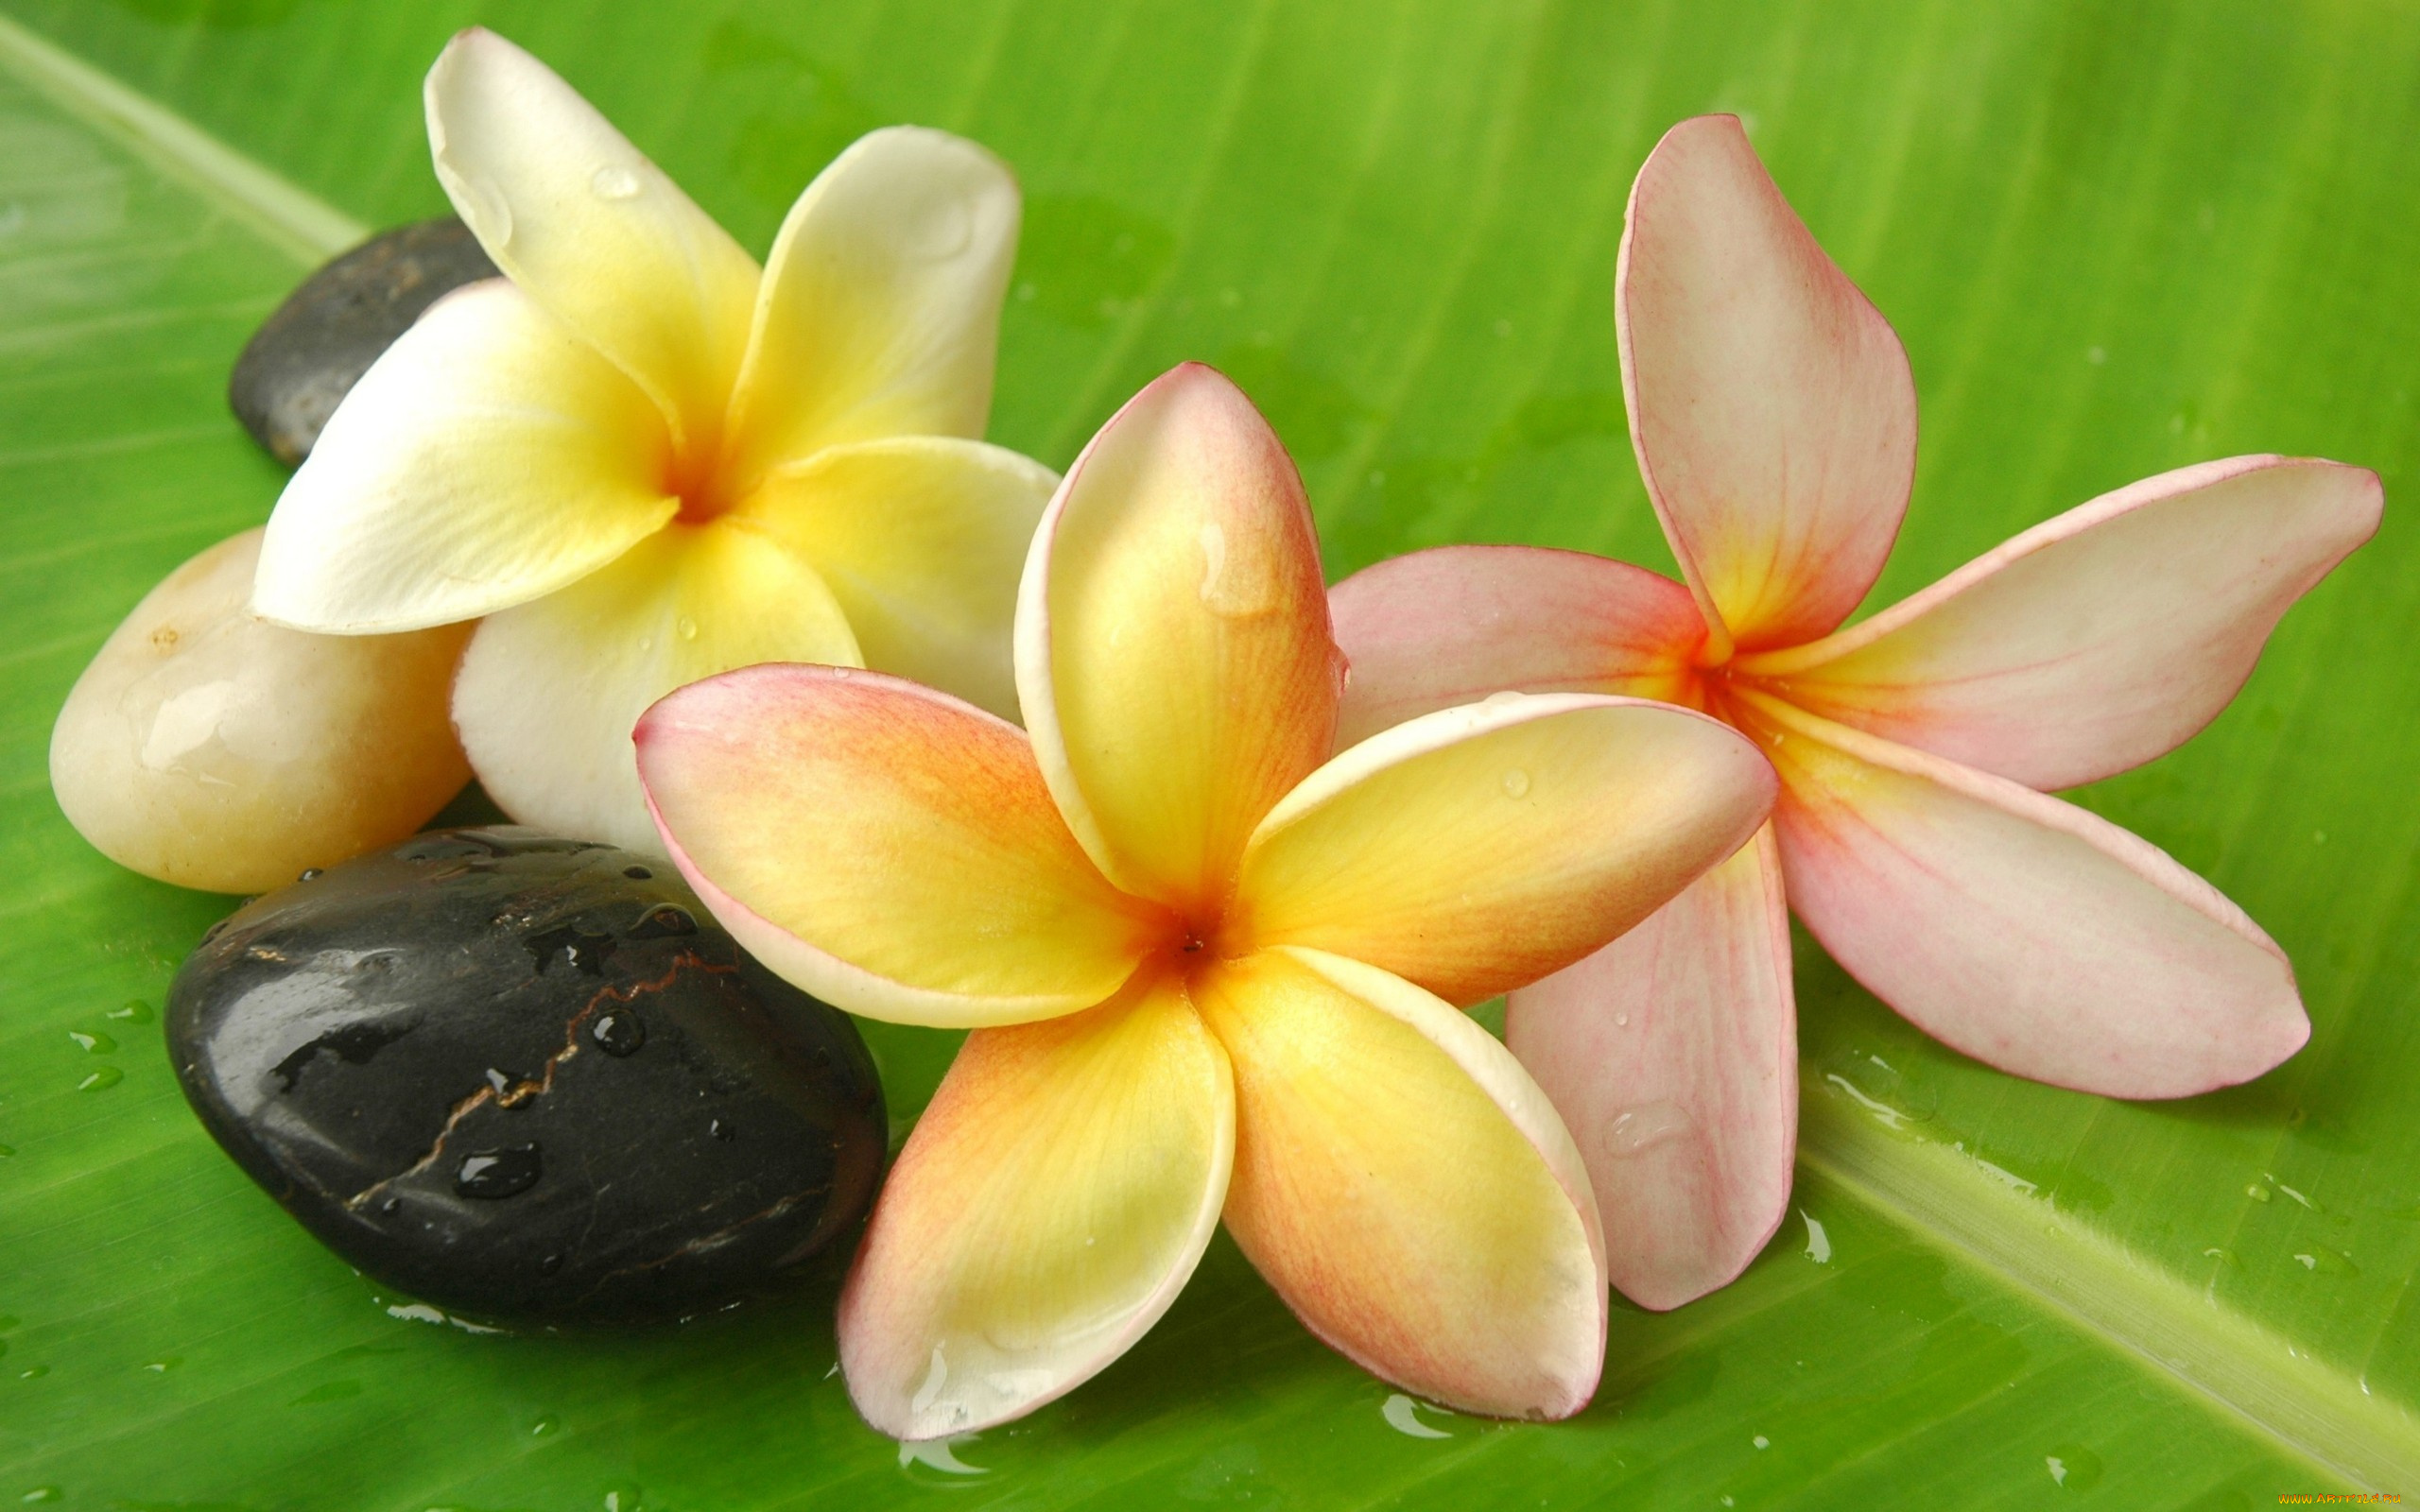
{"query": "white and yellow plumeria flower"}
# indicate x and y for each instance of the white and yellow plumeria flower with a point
(1210, 971)
(645, 461)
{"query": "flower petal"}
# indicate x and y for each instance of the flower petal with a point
(1671, 1055)
(2021, 930)
(1407, 1188)
(1771, 403)
(2099, 639)
(1453, 624)
(1172, 648)
(880, 314)
(921, 539)
(884, 847)
(1049, 1206)
(548, 691)
(592, 230)
(488, 458)
(1478, 848)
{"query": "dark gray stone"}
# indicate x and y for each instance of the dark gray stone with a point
(309, 354)
(526, 1079)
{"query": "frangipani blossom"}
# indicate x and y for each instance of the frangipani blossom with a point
(1774, 419)
(643, 461)
(1212, 971)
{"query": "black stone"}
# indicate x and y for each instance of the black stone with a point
(397, 1051)
(309, 354)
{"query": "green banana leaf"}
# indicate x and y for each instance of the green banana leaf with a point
(2117, 237)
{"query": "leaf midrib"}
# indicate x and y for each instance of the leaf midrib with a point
(1934, 1191)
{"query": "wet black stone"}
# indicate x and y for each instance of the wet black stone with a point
(309, 354)
(399, 1054)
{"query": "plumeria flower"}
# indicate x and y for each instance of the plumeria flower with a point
(1211, 972)
(645, 461)
(1776, 425)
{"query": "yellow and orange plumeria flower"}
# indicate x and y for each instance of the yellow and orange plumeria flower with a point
(1211, 971)
(645, 461)
(1774, 419)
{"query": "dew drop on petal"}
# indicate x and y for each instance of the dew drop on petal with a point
(1636, 1130)
(614, 181)
(1516, 784)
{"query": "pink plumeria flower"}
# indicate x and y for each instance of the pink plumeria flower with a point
(1210, 971)
(1774, 419)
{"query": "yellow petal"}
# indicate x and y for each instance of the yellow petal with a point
(887, 847)
(487, 458)
(549, 691)
(1045, 1211)
(1407, 1188)
(1173, 655)
(1477, 849)
(880, 313)
(921, 539)
(579, 218)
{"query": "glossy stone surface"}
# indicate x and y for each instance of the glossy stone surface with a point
(308, 355)
(526, 1079)
(208, 747)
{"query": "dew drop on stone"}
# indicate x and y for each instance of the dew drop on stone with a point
(721, 1129)
(549, 1265)
(1636, 1130)
(100, 1079)
(614, 181)
(507, 1171)
(664, 919)
(92, 1041)
(392, 1206)
(618, 1032)
(310, 874)
(1516, 784)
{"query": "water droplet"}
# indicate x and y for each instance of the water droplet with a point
(1621, 1020)
(2297, 1196)
(664, 919)
(481, 202)
(507, 1171)
(544, 1428)
(618, 1032)
(392, 1206)
(549, 1265)
(92, 1042)
(2322, 1261)
(100, 1079)
(1819, 1244)
(1402, 1414)
(135, 1011)
(41, 1493)
(1516, 784)
(6, 1150)
(1231, 588)
(688, 628)
(1636, 1130)
(2224, 1257)
(1503, 699)
(638, 873)
(2073, 1468)
(2256, 1193)
(1761, 1441)
(311, 874)
(614, 181)
(943, 230)
(33, 1372)
(723, 1130)
(164, 1364)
